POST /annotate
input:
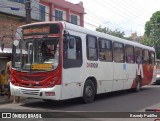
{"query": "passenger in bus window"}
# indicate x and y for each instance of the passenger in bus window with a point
(130, 59)
(101, 56)
(139, 59)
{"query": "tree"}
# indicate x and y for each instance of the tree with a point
(116, 32)
(152, 32)
(146, 40)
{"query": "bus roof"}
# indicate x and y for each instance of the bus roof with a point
(80, 29)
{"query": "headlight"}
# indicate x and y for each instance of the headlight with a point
(158, 76)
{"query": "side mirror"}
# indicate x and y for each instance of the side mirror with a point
(66, 36)
(2, 47)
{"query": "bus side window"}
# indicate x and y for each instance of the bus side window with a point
(152, 58)
(71, 48)
(105, 50)
(92, 48)
(78, 49)
(129, 54)
(146, 56)
(118, 52)
(138, 54)
(72, 52)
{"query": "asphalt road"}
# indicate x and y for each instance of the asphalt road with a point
(123, 101)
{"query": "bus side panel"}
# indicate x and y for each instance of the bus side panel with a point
(104, 76)
(72, 83)
(130, 74)
(119, 76)
(148, 71)
(154, 75)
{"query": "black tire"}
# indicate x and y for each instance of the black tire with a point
(138, 84)
(157, 82)
(88, 91)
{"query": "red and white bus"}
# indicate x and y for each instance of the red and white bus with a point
(59, 60)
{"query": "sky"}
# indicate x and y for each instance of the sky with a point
(127, 16)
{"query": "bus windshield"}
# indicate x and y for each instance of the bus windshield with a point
(36, 54)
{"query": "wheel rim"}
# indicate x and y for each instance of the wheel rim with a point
(89, 91)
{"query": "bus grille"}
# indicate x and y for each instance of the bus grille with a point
(30, 92)
(33, 78)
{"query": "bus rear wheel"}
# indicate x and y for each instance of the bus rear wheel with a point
(138, 84)
(88, 91)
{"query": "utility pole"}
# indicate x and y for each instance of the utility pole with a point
(28, 11)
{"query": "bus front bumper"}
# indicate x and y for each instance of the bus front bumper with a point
(53, 93)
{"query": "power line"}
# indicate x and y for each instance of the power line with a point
(138, 7)
(102, 20)
(128, 9)
(112, 25)
(67, 21)
(70, 22)
(120, 12)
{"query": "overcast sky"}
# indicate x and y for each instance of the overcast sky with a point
(125, 15)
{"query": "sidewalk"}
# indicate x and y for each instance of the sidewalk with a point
(3, 99)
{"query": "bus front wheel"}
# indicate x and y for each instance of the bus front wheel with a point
(88, 91)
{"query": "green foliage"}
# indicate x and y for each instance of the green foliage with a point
(116, 32)
(152, 32)
(147, 28)
(147, 41)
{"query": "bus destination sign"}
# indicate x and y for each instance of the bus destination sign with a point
(41, 67)
(36, 30)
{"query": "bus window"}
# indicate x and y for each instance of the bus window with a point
(105, 50)
(146, 56)
(158, 64)
(72, 52)
(92, 48)
(152, 58)
(16, 55)
(129, 54)
(138, 53)
(118, 52)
